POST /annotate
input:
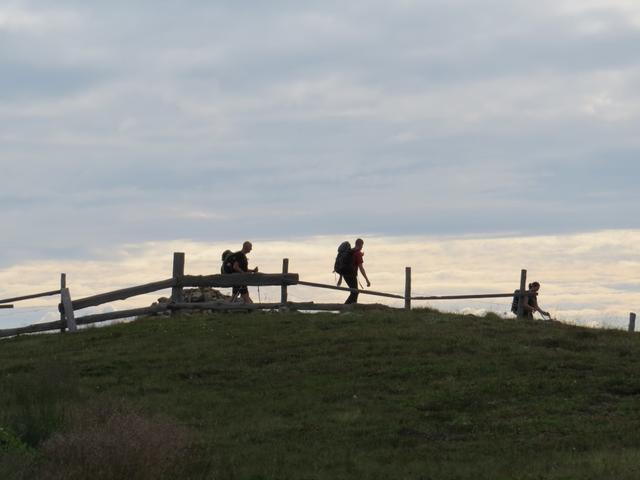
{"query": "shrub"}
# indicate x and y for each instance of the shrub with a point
(116, 442)
(37, 400)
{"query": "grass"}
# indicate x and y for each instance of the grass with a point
(420, 395)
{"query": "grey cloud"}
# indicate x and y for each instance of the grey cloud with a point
(298, 119)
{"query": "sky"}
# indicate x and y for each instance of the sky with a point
(129, 123)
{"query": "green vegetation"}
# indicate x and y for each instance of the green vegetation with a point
(383, 395)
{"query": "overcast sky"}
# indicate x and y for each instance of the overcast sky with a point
(130, 122)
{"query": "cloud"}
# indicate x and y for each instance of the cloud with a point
(586, 278)
(127, 123)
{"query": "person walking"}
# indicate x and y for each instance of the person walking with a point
(239, 263)
(530, 302)
(357, 265)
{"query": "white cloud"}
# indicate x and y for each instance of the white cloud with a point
(585, 278)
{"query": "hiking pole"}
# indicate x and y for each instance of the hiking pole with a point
(259, 299)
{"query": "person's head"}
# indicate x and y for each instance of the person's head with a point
(246, 247)
(535, 286)
(359, 244)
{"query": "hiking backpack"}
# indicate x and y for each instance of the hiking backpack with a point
(344, 259)
(227, 262)
(515, 302)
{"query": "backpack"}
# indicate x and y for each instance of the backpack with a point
(344, 259)
(227, 262)
(515, 302)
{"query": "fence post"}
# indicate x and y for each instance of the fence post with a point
(632, 322)
(63, 285)
(68, 310)
(407, 288)
(178, 273)
(283, 289)
(523, 289)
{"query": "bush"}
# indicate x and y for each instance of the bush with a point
(37, 398)
(17, 464)
(116, 442)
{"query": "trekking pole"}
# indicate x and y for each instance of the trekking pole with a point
(259, 300)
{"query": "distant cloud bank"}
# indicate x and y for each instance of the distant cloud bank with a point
(588, 279)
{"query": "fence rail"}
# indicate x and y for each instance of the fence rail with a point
(29, 297)
(179, 280)
(347, 289)
(464, 297)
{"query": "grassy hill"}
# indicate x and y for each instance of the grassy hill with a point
(382, 395)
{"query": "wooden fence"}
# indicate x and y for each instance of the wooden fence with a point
(68, 306)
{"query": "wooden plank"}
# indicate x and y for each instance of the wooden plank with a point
(407, 288)
(28, 297)
(523, 289)
(249, 279)
(462, 297)
(134, 312)
(332, 307)
(345, 289)
(63, 285)
(87, 319)
(283, 289)
(632, 322)
(35, 328)
(69, 318)
(178, 273)
(121, 294)
(6, 306)
(224, 306)
(271, 306)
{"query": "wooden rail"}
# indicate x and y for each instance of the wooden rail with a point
(179, 280)
(346, 289)
(35, 328)
(223, 306)
(118, 314)
(121, 294)
(29, 297)
(464, 297)
(246, 279)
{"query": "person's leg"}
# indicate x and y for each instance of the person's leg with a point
(244, 294)
(352, 281)
(235, 292)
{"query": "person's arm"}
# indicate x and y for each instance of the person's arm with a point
(364, 274)
(525, 304)
(536, 308)
(236, 268)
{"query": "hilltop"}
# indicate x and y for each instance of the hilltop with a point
(359, 395)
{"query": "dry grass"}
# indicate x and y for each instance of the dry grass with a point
(116, 442)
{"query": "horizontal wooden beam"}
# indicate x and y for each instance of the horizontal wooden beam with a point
(270, 306)
(35, 328)
(86, 320)
(6, 306)
(28, 297)
(331, 307)
(345, 289)
(223, 306)
(134, 312)
(241, 279)
(462, 297)
(121, 294)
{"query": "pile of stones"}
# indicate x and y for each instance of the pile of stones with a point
(199, 294)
